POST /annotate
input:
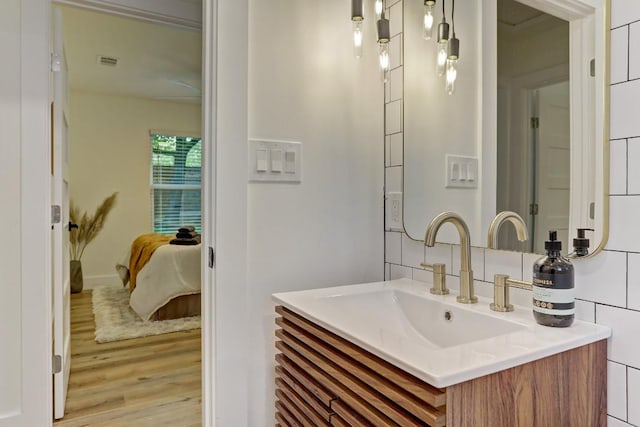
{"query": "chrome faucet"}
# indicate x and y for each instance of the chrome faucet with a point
(494, 228)
(467, 295)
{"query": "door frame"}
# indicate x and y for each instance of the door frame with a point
(37, 394)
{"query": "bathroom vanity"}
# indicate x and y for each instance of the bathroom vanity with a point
(430, 362)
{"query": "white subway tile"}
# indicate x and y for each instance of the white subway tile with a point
(614, 422)
(602, 279)
(586, 310)
(440, 253)
(483, 289)
(527, 266)
(634, 395)
(395, 19)
(393, 179)
(393, 247)
(624, 345)
(425, 276)
(502, 262)
(387, 271)
(633, 174)
(477, 261)
(396, 79)
(412, 252)
(387, 151)
(624, 11)
(522, 298)
(395, 52)
(618, 167)
(634, 50)
(619, 54)
(393, 120)
(453, 283)
(400, 272)
(617, 390)
(396, 149)
(624, 232)
(387, 91)
(624, 102)
(633, 284)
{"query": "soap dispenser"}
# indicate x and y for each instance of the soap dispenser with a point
(580, 244)
(553, 290)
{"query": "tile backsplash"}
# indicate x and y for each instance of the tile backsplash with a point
(608, 286)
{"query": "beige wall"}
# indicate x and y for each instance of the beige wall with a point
(109, 151)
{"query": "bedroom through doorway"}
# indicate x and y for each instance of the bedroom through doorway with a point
(134, 130)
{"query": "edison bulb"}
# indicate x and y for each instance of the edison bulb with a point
(357, 39)
(384, 59)
(452, 74)
(378, 8)
(442, 58)
(428, 22)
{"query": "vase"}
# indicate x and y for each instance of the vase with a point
(76, 276)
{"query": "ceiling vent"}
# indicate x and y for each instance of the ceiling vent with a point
(109, 61)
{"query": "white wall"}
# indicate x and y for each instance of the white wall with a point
(303, 85)
(110, 151)
(608, 286)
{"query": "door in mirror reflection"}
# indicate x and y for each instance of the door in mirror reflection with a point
(533, 161)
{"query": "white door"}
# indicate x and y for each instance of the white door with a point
(60, 238)
(553, 165)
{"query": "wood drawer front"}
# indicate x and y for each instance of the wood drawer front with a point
(418, 388)
(380, 400)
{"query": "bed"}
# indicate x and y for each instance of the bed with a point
(168, 285)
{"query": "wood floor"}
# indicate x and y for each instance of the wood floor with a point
(151, 381)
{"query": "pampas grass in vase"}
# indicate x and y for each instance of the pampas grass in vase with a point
(89, 226)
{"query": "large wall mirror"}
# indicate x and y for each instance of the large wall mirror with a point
(526, 129)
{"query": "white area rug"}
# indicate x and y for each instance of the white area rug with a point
(116, 321)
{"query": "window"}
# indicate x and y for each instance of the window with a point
(176, 174)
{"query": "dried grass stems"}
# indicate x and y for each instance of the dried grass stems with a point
(89, 226)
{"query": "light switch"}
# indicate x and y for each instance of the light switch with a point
(462, 171)
(276, 160)
(290, 162)
(261, 160)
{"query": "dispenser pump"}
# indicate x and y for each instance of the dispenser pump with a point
(581, 243)
(553, 245)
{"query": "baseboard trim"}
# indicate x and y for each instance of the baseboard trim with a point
(92, 282)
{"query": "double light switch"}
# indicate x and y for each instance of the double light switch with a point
(274, 161)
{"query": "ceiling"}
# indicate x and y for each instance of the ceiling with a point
(512, 13)
(154, 60)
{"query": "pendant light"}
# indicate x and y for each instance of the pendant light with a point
(378, 8)
(357, 18)
(427, 21)
(384, 35)
(443, 38)
(453, 54)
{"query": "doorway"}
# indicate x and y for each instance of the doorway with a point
(158, 96)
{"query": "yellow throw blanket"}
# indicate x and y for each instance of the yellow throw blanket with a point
(141, 250)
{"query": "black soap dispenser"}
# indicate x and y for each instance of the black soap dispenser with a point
(580, 244)
(553, 291)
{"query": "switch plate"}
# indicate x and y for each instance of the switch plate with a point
(275, 161)
(394, 211)
(461, 171)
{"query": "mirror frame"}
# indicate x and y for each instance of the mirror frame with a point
(570, 10)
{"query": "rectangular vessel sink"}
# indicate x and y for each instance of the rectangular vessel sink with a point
(433, 337)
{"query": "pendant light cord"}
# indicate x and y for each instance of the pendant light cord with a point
(453, 16)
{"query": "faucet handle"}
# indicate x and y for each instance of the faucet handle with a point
(501, 284)
(439, 278)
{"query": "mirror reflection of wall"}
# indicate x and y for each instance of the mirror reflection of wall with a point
(533, 156)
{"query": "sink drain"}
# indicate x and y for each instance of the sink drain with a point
(448, 316)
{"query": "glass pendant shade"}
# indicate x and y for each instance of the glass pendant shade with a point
(427, 23)
(357, 39)
(384, 35)
(357, 18)
(443, 38)
(378, 8)
(453, 54)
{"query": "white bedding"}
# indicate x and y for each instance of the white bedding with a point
(172, 271)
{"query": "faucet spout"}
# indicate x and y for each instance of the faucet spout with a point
(501, 218)
(467, 295)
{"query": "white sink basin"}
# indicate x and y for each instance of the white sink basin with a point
(434, 337)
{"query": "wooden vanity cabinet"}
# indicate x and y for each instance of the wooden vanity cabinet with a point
(324, 380)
